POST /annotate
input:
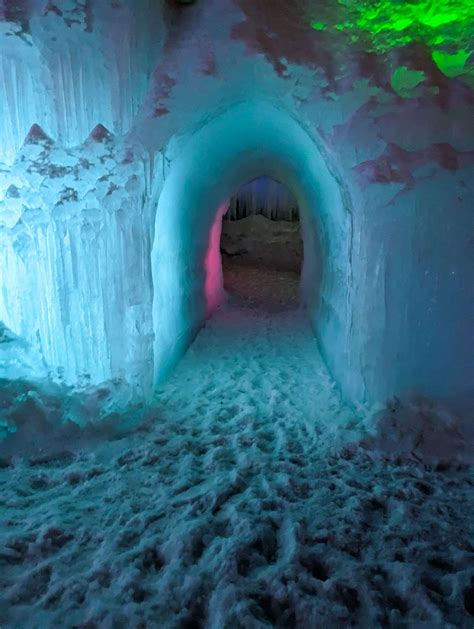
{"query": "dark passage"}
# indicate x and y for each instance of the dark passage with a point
(261, 246)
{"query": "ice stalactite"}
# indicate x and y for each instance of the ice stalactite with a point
(266, 197)
(75, 241)
(49, 79)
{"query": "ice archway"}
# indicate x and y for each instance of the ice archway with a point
(248, 140)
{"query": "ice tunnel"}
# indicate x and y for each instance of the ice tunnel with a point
(379, 157)
(247, 141)
(189, 438)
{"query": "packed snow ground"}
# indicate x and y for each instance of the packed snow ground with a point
(244, 499)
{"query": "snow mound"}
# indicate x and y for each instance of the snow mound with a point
(421, 430)
(37, 409)
(42, 415)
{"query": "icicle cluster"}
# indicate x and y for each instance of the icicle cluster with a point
(266, 197)
(73, 223)
(67, 72)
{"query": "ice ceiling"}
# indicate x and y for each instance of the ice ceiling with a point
(126, 127)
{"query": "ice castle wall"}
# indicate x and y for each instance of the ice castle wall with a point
(77, 216)
(70, 66)
(75, 239)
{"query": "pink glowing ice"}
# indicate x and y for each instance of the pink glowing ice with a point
(213, 264)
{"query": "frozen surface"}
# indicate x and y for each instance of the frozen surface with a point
(69, 67)
(17, 361)
(251, 496)
(73, 225)
(369, 126)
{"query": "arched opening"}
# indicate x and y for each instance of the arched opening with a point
(261, 246)
(208, 167)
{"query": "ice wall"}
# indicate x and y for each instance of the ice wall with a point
(75, 239)
(382, 92)
(71, 65)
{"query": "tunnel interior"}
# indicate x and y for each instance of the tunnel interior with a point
(236, 306)
(261, 246)
(239, 145)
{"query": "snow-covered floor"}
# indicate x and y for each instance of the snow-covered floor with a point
(235, 504)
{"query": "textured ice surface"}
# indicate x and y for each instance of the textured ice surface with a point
(208, 99)
(245, 500)
(69, 67)
(17, 361)
(75, 243)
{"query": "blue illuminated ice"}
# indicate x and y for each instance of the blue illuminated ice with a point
(108, 268)
(71, 232)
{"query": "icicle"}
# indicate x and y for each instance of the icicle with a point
(265, 197)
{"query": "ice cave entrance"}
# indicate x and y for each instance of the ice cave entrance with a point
(248, 141)
(261, 246)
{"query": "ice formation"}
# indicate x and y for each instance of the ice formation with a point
(68, 218)
(293, 447)
(266, 197)
(105, 234)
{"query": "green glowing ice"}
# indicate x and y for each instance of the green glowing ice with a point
(404, 81)
(444, 28)
(400, 25)
(383, 24)
(451, 65)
